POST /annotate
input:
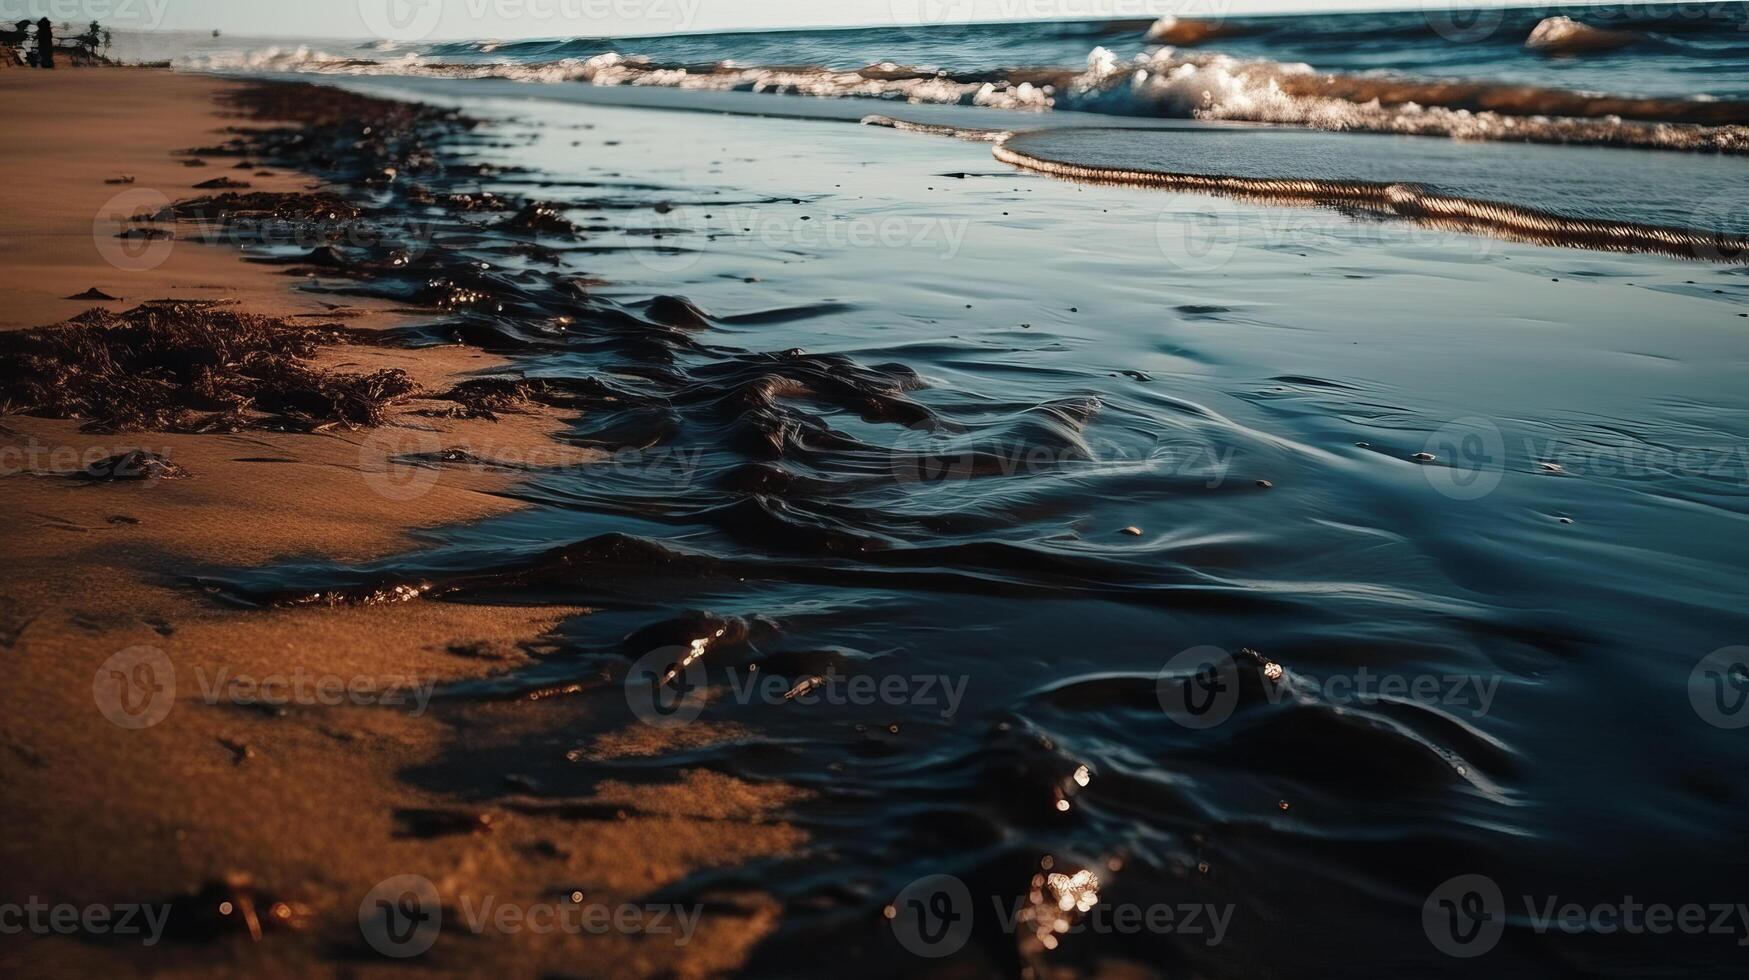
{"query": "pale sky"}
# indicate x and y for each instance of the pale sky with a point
(421, 19)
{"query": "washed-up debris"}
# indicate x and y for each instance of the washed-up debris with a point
(427, 823)
(188, 367)
(137, 464)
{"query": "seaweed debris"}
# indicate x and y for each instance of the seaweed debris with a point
(189, 367)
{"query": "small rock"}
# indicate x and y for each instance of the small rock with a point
(1424, 457)
(1265, 484)
(240, 751)
(429, 823)
(1132, 530)
(544, 849)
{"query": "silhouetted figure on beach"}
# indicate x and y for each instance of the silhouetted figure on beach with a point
(93, 43)
(45, 44)
(13, 42)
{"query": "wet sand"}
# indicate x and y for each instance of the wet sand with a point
(265, 827)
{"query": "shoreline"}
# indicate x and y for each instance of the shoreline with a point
(922, 480)
(239, 812)
(312, 495)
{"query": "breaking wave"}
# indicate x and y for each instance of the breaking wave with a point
(1162, 82)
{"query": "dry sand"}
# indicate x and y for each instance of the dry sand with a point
(299, 803)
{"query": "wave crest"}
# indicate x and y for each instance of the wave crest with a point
(1165, 82)
(1415, 203)
(1186, 32)
(1566, 36)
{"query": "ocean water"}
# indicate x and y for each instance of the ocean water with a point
(1680, 50)
(1639, 77)
(1295, 560)
(1663, 60)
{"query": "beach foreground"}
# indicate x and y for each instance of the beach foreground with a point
(272, 798)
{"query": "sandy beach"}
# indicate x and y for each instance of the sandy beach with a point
(237, 798)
